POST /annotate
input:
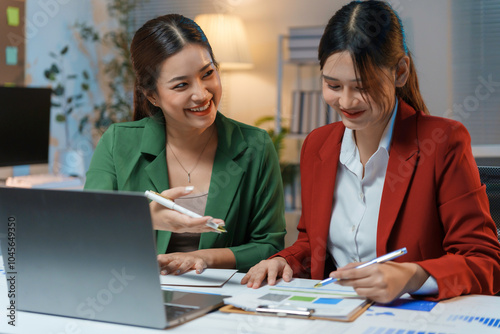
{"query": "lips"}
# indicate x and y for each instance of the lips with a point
(202, 107)
(201, 110)
(352, 113)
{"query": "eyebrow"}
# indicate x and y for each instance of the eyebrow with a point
(184, 77)
(335, 79)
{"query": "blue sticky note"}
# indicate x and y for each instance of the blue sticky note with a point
(11, 55)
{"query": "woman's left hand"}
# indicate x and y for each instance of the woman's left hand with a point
(179, 263)
(382, 282)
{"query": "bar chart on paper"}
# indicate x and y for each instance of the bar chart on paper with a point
(485, 321)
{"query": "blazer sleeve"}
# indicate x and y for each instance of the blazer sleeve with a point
(101, 174)
(266, 228)
(471, 264)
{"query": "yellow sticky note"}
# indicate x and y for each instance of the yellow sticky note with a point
(13, 16)
(9, 84)
(11, 55)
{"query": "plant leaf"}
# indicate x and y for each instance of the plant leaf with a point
(59, 90)
(64, 50)
(54, 69)
(60, 118)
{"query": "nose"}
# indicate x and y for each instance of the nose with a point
(200, 92)
(348, 98)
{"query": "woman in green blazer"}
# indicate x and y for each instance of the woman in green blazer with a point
(180, 146)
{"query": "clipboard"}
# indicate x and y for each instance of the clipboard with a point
(299, 313)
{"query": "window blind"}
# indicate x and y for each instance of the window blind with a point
(476, 68)
(149, 9)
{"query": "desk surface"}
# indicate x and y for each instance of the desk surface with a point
(467, 314)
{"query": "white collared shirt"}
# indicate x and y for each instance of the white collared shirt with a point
(356, 203)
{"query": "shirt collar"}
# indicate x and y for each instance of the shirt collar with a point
(348, 149)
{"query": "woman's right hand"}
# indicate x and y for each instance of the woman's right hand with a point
(169, 220)
(272, 269)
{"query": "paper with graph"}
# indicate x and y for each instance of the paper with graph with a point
(331, 301)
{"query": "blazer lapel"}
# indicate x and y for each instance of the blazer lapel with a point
(153, 148)
(227, 173)
(403, 160)
(325, 173)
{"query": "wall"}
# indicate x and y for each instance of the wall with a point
(249, 94)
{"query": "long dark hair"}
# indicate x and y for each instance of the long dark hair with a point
(157, 40)
(373, 34)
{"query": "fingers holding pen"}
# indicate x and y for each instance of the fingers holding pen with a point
(168, 216)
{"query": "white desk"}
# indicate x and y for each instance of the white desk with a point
(468, 314)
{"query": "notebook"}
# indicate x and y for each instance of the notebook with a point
(89, 255)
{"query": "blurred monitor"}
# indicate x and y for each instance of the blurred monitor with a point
(24, 125)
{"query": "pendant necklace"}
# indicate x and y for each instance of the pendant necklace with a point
(197, 161)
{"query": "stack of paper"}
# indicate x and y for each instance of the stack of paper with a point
(331, 302)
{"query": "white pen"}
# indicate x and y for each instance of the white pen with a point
(381, 259)
(154, 196)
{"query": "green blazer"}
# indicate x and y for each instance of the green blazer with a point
(245, 191)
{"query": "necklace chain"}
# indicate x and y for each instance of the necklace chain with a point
(197, 161)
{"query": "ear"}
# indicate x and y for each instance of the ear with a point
(151, 96)
(402, 71)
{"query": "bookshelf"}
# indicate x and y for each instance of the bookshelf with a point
(300, 106)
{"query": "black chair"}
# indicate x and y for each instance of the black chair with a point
(490, 176)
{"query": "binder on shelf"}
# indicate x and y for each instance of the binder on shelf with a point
(314, 111)
(309, 111)
(296, 106)
(305, 113)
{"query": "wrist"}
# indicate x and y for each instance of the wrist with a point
(418, 277)
(216, 257)
(282, 260)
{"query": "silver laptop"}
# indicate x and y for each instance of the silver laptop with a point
(89, 255)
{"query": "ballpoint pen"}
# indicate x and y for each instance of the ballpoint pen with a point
(154, 196)
(381, 259)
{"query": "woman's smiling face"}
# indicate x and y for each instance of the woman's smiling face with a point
(344, 92)
(188, 89)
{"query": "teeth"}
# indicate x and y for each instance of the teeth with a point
(205, 107)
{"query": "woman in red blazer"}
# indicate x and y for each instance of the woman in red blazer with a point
(418, 183)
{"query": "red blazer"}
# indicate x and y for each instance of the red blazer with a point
(432, 203)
